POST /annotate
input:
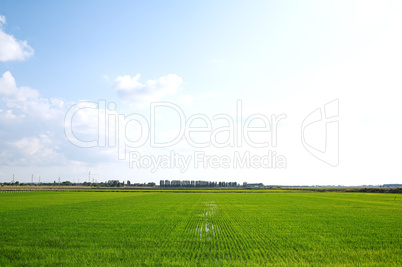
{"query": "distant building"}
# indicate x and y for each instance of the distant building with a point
(192, 183)
(245, 184)
(175, 183)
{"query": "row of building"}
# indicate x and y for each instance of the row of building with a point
(188, 183)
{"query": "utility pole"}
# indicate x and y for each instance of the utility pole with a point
(13, 178)
(32, 179)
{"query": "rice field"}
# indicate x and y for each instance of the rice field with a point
(191, 229)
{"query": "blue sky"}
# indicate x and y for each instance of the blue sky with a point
(275, 57)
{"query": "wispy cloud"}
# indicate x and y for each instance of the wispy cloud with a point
(132, 91)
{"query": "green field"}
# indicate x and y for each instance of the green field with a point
(181, 229)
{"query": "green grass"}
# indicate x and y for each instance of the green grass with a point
(181, 229)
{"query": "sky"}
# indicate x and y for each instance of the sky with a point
(278, 92)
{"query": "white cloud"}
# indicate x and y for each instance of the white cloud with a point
(11, 48)
(33, 134)
(8, 115)
(35, 146)
(39, 150)
(30, 125)
(8, 88)
(24, 101)
(141, 94)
